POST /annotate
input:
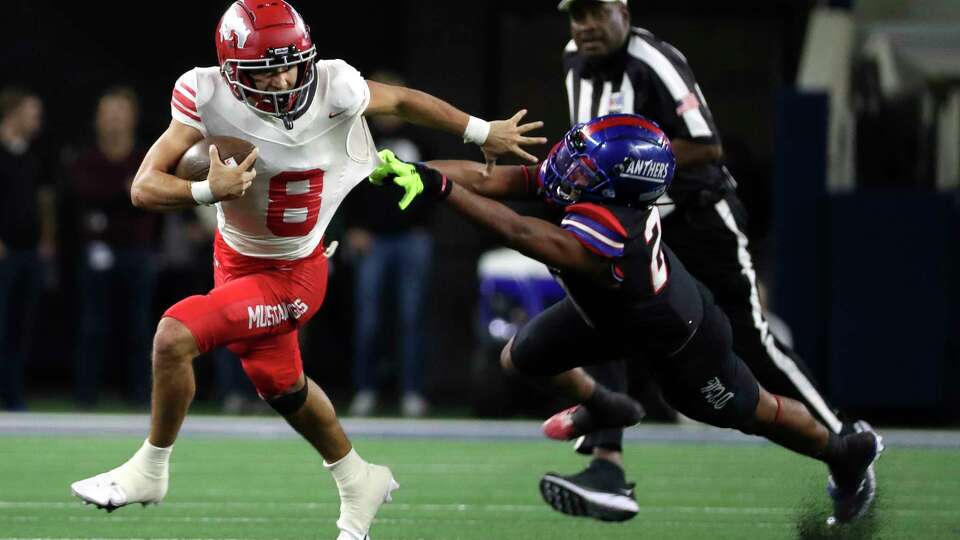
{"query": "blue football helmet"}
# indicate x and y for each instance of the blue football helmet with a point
(621, 159)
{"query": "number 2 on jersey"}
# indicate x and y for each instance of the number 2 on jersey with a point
(294, 202)
(658, 266)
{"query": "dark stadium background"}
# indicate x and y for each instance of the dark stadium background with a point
(489, 58)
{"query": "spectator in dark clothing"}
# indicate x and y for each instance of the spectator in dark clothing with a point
(392, 251)
(26, 236)
(118, 257)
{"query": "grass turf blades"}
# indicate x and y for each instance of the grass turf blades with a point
(277, 489)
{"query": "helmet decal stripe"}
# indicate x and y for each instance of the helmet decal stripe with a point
(621, 120)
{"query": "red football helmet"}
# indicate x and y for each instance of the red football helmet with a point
(264, 35)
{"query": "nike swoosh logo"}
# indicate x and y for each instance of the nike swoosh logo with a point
(334, 115)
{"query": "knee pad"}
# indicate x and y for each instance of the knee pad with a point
(290, 403)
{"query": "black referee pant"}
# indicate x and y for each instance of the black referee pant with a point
(709, 238)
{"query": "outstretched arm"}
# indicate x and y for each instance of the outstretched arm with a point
(423, 109)
(500, 182)
(535, 238)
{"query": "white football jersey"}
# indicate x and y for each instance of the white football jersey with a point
(303, 174)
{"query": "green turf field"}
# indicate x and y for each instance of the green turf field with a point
(223, 488)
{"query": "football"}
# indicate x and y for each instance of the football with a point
(195, 162)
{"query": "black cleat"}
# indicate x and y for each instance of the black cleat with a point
(853, 490)
(599, 492)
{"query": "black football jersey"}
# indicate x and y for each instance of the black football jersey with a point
(653, 305)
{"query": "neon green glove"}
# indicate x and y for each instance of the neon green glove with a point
(405, 175)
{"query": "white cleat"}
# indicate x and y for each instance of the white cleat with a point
(122, 486)
(360, 500)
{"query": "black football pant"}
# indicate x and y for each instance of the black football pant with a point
(710, 240)
(704, 379)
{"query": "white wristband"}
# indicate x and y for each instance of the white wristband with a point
(202, 193)
(477, 131)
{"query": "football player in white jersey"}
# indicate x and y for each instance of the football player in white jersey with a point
(305, 118)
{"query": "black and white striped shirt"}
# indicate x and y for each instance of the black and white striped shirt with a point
(652, 78)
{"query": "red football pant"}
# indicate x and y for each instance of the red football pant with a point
(255, 309)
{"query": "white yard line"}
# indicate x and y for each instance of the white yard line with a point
(393, 507)
(99, 425)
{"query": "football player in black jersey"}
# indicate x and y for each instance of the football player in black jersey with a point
(628, 297)
(610, 66)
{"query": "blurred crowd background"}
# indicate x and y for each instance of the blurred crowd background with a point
(840, 120)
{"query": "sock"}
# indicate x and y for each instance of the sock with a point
(608, 439)
(613, 409)
(143, 477)
(348, 473)
(152, 460)
(346, 468)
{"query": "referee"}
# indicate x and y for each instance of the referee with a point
(610, 67)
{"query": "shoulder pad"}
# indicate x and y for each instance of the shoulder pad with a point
(348, 90)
